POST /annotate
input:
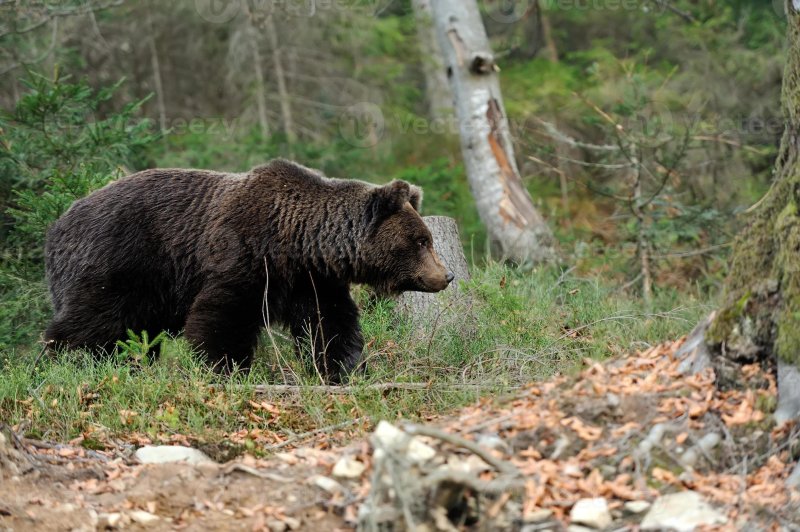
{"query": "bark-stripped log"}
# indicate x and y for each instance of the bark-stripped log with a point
(515, 227)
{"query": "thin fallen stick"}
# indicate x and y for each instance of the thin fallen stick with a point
(312, 433)
(500, 465)
(384, 386)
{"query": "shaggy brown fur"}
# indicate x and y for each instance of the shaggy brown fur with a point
(201, 251)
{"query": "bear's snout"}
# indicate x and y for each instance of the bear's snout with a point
(434, 276)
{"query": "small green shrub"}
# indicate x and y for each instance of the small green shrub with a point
(56, 145)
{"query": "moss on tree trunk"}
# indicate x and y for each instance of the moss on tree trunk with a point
(761, 316)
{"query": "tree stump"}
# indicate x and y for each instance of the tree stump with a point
(425, 309)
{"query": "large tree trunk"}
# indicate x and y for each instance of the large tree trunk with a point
(258, 72)
(437, 89)
(430, 310)
(154, 63)
(515, 227)
(283, 93)
(760, 320)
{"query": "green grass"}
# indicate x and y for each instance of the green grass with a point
(522, 326)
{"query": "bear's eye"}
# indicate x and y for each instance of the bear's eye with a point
(422, 242)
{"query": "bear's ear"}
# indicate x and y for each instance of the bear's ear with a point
(388, 199)
(415, 197)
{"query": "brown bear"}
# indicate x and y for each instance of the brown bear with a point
(220, 255)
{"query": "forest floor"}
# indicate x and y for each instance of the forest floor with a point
(622, 433)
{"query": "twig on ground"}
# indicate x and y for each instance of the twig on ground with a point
(381, 387)
(237, 466)
(312, 433)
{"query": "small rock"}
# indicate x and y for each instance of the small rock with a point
(289, 458)
(110, 520)
(162, 454)
(608, 471)
(276, 525)
(387, 435)
(537, 516)
(348, 467)
(579, 528)
(418, 451)
(636, 507)
(492, 441)
(612, 399)
(788, 393)
(143, 518)
(327, 484)
(572, 470)
(702, 448)
(562, 444)
(591, 512)
(794, 479)
(682, 512)
(291, 522)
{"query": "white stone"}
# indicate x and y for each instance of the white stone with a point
(492, 441)
(591, 512)
(636, 507)
(683, 512)
(110, 520)
(387, 435)
(579, 528)
(419, 451)
(327, 484)
(163, 454)
(291, 522)
(348, 467)
(794, 479)
(143, 518)
(276, 525)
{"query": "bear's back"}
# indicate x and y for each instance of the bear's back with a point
(150, 216)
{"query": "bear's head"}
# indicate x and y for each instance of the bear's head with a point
(399, 250)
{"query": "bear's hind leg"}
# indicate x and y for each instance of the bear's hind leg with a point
(97, 318)
(74, 332)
